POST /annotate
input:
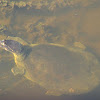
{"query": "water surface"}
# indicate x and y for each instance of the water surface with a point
(63, 22)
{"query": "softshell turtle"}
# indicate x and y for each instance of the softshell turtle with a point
(58, 69)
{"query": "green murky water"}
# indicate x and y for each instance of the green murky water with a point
(46, 21)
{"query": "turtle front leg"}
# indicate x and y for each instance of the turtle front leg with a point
(17, 71)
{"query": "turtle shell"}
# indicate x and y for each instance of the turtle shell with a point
(62, 70)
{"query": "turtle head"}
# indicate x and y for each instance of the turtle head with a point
(11, 46)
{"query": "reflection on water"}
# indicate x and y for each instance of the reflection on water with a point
(55, 21)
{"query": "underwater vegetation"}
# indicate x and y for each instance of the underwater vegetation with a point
(47, 4)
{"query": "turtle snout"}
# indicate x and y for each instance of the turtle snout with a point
(2, 43)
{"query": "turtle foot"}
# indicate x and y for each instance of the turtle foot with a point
(53, 92)
(17, 71)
